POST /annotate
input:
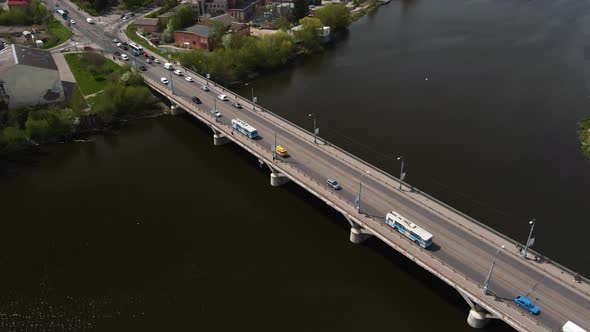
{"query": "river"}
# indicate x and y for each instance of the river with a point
(154, 228)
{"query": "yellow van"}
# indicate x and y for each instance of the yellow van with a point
(281, 151)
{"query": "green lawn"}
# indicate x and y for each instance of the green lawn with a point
(88, 82)
(130, 32)
(59, 33)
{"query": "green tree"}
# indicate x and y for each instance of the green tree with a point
(169, 4)
(283, 23)
(336, 16)
(185, 17)
(216, 33)
(310, 33)
(12, 138)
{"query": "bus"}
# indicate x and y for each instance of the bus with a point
(136, 49)
(62, 13)
(244, 128)
(409, 229)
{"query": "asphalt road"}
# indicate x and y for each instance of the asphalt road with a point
(457, 247)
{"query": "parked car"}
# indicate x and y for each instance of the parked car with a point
(124, 57)
(115, 40)
(149, 61)
(151, 57)
(204, 88)
(142, 68)
(188, 79)
(65, 49)
(124, 43)
(156, 60)
(281, 151)
(528, 305)
(164, 80)
(117, 53)
(196, 99)
(333, 184)
(125, 48)
(236, 105)
(178, 72)
(72, 22)
(216, 114)
(223, 97)
(119, 45)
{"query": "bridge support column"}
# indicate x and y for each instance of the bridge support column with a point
(219, 139)
(477, 319)
(357, 233)
(277, 179)
(175, 109)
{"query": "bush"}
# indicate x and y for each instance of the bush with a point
(336, 16)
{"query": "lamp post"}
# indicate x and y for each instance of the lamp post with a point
(529, 241)
(357, 201)
(315, 128)
(487, 281)
(402, 175)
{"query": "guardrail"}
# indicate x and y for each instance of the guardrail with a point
(337, 201)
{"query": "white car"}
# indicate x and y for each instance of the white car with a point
(72, 22)
(164, 80)
(216, 113)
(124, 57)
(115, 40)
(157, 61)
(204, 88)
(189, 79)
(178, 72)
(119, 45)
(223, 97)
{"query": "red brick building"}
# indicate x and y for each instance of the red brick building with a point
(18, 3)
(194, 37)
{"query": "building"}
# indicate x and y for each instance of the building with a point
(148, 25)
(240, 28)
(195, 37)
(4, 5)
(225, 19)
(243, 11)
(216, 7)
(18, 3)
(29, 76)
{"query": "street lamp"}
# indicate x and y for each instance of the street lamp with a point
(315, 128)
(529, 241)
(402, 175)
(357, 200)
(487, 281)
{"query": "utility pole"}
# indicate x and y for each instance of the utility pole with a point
(274, 150)
(529, 241)
(357, 203)
(402, 175)
(315, 128)
(487, 281)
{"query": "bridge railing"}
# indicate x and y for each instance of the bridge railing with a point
(307, 136)
(344, 204)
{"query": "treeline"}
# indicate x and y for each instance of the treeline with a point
(241, 56)
(125, 98)
(34, 13)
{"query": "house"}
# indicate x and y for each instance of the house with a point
(240, 28)
(18, 3)
(323, 32)
(29, 76)
(148, 25)
(195, 37)
(243, 11)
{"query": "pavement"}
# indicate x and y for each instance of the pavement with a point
(64, 70)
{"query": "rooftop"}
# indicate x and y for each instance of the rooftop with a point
(147, 21)
(198, 29)
(244, 4)
(27, 56)
(226, 19)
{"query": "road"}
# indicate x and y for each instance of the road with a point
(459, 243)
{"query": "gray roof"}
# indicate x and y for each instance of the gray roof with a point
(226, 19)
(28, 56)
(198, 29)
(146, 21)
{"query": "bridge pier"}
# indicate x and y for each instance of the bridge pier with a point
(477, 319)
(278, 179)
(357, 233)
(220, 139)
(175, 109)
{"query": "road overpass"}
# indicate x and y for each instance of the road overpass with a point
(463, 248)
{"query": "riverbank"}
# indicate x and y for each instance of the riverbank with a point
(584, 136)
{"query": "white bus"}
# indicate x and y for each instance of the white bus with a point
(409, 229)
(136, 49)
(244, 128)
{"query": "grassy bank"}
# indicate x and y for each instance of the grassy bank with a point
(584, 136)
(130, 32)
(58, 33)
(92, 71)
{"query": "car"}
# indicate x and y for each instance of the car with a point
(125, 48)
(119, 45)
(117, 53)
(178, 72)
(123, 16)
(72, 22)
(149, 61)
(88, 48)
(528, 305)
(66, 12)
(124, 57)
(188, 79)
(204, 88)
(164, 80)
(223, 97)
(65, 49)
(115, 40)
(151, 57)
(216, 113)
(333, 184)
(156, 61)
(236, 105)
(142, 68)
(145, 55)
(281, 151)
(196, 99)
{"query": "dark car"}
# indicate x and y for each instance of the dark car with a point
(117, 53)
(196, 99)
(151, 57)
(124, 43)
(142, 68)
(125, 48)
(236, 105)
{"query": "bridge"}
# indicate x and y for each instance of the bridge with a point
(465, 254)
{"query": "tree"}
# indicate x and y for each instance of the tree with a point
(283, 23)
(310, 33)
(336, 16)
(300, 9)
(217, 32)
(185, 17)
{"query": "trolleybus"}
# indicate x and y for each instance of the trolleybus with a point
(409, 229)
(244, 128)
